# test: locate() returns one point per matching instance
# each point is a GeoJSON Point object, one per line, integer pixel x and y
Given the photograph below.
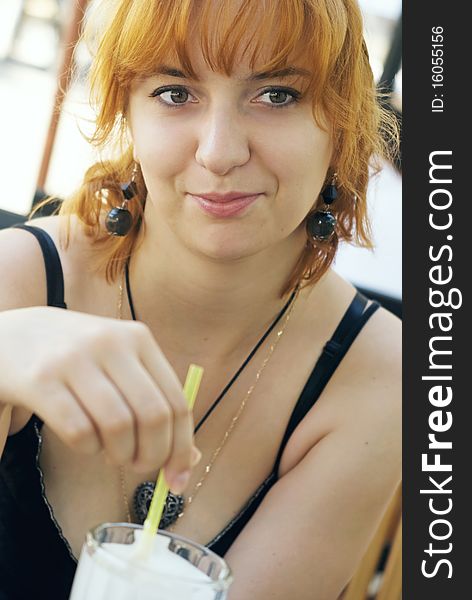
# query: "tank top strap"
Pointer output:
{"type": "Point", "coordinates": [54, 280]}
{"type": "Point", "coordinates": [52, 264]}
{"type": "Point", "coordinates": [354, 319]}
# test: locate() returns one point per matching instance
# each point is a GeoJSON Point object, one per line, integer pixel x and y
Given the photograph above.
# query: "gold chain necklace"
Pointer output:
{"type": "Point", "coordinates": [234, 420]}
{"type": "Point", "coordinates": [121, 468]}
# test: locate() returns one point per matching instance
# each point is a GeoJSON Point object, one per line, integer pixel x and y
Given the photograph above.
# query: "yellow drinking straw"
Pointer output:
{"type": "Point", "coordinates": [151, 524]}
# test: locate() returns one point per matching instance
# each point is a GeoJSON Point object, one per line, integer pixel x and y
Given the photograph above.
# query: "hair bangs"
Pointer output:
{"type": "Point", "coordinates": [264, 32]}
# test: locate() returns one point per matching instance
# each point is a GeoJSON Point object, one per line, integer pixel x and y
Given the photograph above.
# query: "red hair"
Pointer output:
{"type": "Point", "coordinates": [134, 36]}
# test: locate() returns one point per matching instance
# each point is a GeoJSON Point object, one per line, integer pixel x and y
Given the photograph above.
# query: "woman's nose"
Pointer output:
{"type": "Point", "coordinates": [222, 141]}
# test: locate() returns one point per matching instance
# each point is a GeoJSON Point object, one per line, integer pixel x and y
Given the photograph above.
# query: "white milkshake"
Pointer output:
{"type": "Point", "coordinates": [177, 569]}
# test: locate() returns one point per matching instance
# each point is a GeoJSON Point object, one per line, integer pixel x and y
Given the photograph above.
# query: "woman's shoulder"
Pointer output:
{"type": "Point", "coordinates": [360, 409]}
{"type": "Point", "coordinates": [366, 385]}
{"type": "Point", "coordinates": [68, 234]}
{"type": "Point", "coordinates": [369, 381]}
{"type": "Point", "coordinates": [333, 296]}
{"type": "Point", "coordinates": [369, 398]}
{"type": "Point", "coordinates": [339, 293]}
{"type": "Point", "coordinates": [66, 231]}
{"type": "Point", "coordinates": [21, 269]}
{"type": "Point", "coordinates": [25, 275]}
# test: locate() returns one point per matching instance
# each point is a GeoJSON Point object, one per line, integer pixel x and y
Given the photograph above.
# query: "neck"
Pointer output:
{"type": "Point", "coordinates": [205, 307]}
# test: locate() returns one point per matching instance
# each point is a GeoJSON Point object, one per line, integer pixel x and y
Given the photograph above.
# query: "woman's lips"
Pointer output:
{"type": "Point", "coordinates": [225, 208]}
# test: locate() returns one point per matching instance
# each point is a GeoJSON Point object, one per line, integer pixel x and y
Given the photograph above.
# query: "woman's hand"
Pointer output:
{"type": "Point", "coordinates": [99, 384]}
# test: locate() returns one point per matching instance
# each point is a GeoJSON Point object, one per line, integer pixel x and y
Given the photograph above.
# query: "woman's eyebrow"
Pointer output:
{"type": "Point", "coordinates": [279, 74]}
{"type": "Point", "coordinates": [272, 74]}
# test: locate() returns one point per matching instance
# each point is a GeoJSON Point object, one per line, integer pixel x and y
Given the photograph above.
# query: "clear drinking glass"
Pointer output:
{"type": "Point", "coordinates": [191, 572]}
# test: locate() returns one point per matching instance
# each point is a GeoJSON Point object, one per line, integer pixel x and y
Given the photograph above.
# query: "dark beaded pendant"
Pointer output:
{"type": "Point", "coordinates": [129, 190]}
{"type": "Point", "coordinates": [142, 501]}
{"type": "Point", "coordinates": [118, 221]}
{"type": "Point", "coordinates": [321, 225]}
{"type": "Point", "coordinates": [329, 194]}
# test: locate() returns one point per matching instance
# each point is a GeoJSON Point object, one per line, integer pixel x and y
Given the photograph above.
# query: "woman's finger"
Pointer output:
{"type": "Point", "coordinates": [58, 406]}
{"type": "Point", "coordinates": [109, 411]}
{"type": "Point", "coordinates": [180, 459]}
{"type": "Point", "coordinates": [165, 377]}
{"type": "Point", "coordinates": [153, 414]}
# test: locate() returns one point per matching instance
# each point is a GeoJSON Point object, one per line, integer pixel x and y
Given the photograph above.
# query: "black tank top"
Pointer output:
{"type": "Point", "coordinates": [45, 566]}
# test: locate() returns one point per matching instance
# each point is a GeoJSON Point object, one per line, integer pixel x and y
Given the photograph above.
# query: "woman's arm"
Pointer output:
{"type": "Point", "coordinates": [23, 285]}
{"type": "Point", "coordinates": [99, 383]}
{"type": "Point", "coordinates": [308, 536]}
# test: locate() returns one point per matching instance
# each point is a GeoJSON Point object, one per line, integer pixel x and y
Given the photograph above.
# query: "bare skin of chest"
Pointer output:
{"type": "Point", "coordinates": [84, 492]}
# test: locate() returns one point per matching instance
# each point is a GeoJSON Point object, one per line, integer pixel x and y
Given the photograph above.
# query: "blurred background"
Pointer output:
{"type": "Point", "coordinates": [34, 35]}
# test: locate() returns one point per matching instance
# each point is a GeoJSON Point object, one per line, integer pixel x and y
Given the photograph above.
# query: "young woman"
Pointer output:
{"type": "Point", "coordinates": [245, 134]}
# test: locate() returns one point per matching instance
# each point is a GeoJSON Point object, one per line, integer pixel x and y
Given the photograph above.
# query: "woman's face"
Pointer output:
{"type": "Point", "coordinates": [218, 135]}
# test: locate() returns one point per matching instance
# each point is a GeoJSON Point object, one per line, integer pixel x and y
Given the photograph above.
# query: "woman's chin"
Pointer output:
{"type": "Point", "coordinates": [226, 248]}
{"type": "Point", "coordinates": [225, 253]}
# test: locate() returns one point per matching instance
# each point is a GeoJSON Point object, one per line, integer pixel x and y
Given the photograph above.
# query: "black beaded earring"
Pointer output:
{"type": "Point", "coordinates": [119, 220]}
{"type": "Point", "coordinates": [322, 223]}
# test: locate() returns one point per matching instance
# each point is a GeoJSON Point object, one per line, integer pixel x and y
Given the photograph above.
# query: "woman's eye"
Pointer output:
{"type": "Point", "coordinates": [171, 95]}
{"type": "Point", "coordinates": [278, 97]}
{"type": "Point", "coordinates": [175, 96]}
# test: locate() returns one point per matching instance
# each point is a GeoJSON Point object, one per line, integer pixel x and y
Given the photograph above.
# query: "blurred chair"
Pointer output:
{"type": "Point", "coordinates": [7, 219]}
{"type": "Point", "coordinates": [385, 84]}
{"type": "Point", "coordinates": [391, 303]}
{"type": "Point", "coordinates": [379, 574]}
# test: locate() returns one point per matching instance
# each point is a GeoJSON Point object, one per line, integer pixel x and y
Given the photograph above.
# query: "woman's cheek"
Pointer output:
{"type": "Point", "coordinates": [301, 179]}
{"type": "Point", "coordinates": [162, 143]}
